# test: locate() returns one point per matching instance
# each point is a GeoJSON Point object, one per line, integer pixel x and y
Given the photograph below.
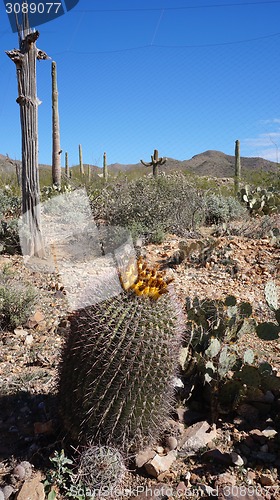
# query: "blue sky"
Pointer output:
{"type": "Point", "coordinates": [181, 76]}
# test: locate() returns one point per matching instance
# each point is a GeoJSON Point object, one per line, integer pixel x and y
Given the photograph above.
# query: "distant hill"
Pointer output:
{"type": "Point", "coordinates": [210, 163]}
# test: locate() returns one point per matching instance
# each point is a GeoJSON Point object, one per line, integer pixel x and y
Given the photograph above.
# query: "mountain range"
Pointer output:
{"type": "Point", "coordinates": [210, 163]}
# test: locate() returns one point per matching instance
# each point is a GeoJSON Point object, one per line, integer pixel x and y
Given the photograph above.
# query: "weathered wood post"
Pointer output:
{"type": "Point", "coordinates": [25, 60]}
{"type": "Point", "coordinates": [155, 162]}
{"type": "Point", "coordinates": [237, 173]}
{"type": "Point", "coordinates": [56, 151]}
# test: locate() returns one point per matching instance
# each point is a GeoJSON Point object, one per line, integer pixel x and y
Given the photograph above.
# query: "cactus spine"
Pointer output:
{"type": "Point", "coordinates": [237, 168]}
{"type": "Point", "coordinates": [118, 363]}
{"type": "Point", "coordinates": [82, 172]}
{"type": "Point", "coordinates": [105, 168]}
{"type": "Point", "coordinates": [155, 162]}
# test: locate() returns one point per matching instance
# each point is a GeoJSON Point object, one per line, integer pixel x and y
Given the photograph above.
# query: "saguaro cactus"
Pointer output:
{"type": "Point", "coordinates": [119, 362]}
{"type": "Point", "coordinates": [105, 168]}
{"type": "Point", "coordinates": [56, 151]}
{"type": "Point", "coordinates": [155, 162]}
{"type": "Point", "coordinates": [25, 60]}
{"type": "Point", "coordinates": [237, 174]}
{"type": "Point", "coordinates": [81, 160]}
{"type": "Point", "coordinates": [67, 171]}
{"type": "Point", "coordinates": [89, 173]}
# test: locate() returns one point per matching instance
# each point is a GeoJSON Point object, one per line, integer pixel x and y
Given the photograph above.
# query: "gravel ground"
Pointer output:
{"type": "Point", "coordinates": [29, 355]}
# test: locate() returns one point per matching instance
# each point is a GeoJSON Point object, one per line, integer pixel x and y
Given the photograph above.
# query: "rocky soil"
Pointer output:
{"type": "Point", "coordinates": [237, 457]}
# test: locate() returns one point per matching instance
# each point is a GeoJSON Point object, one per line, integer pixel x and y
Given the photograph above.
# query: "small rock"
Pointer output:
{"type": "Point", "coordinates": [32, 489]}
{"type": "Point", "coordinates": [19, 472]}
{"type": "Point", "coordinates": [264, 448]}
{"type": "Point", "coordinates": [20, 332]}
{"type": "Point", "coordinates": [27, 467]}
{"type": "Point", "coordinates": [251, 476]}
{"type": "Point", "coordinates": [182, 488]}
{"type": "Point", "coordinates": [29, 340]}
{"type": "Point", "coordinates": [258, 436]}
{"type": "Point", "coordinates": [236, 459]}
{"type": "Point", "coordinates": [171, 443]}
{"type": "Point", "coordinates": [197, 436]}
{"type": "Point", "coordinates": [177, 383]}
{"type": "Point", "coordinates": [225, 478]}
{"type": "Point", "coordinates": [266, 480]}
{"type": "Point", "coordinates": [217, 456]}
{"type": "Point", "coordinates": [269, 432]}
{"type": "Point", "coordinates": [159, 464]}
{"type": "Point", "coordinates": [8, 490]}
{"type": "Point", "coordinates": [143, 457]}
{"type": "Point", "coordinates": [37, 316]}
{"type": "Point", "coordinates": [160, 450]}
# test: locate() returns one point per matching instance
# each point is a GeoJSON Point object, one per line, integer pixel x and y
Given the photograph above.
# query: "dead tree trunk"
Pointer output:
{"type": "Point", "coordinates": [56, 151]}
{"type": "Point", "coordinates": [25, 61]}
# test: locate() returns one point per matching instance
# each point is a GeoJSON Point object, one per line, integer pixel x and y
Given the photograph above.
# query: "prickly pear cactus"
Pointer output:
{"type": "Point", "coordinates": [271, 295]}
{"type": "Point", "coordinates": [269, 330]}
{"type": "Point", "coordinates": [261, 201]}
{"type": "Point", "coordinates": [119, 361]}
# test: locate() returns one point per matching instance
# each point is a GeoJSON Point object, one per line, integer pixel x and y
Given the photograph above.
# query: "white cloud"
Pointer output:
{"type": "Point", "coordinates": [270, 154]}
{"type": "Point", "coordinates": [265, 145]}
{"type": "Point", "coordinates": [270, 121]}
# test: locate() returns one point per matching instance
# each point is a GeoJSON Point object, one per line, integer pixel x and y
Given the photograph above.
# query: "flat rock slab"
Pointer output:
{"type": "Point", "coordinates": [197, 436]}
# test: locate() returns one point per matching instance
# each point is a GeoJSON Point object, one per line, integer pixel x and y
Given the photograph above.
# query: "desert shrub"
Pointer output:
{"type": "Point", "coordinates": [16, 301]}
{"type": "Point", "coordinates": [267, 226]}
{"type": "Point", "coordinates": [10, 205]}
{"type": "Point", "coordinates": [9, 237]}
{"type": "Point", "coordinates": [221, 209]}
{"type": "Point", "coordinates": [167, 203]}
{"type": "Point", "coordinates": [48, 192]}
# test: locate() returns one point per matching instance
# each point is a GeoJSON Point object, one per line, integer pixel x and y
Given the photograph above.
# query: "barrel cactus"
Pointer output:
{"type": "Point", "coordinates": [119, 362]}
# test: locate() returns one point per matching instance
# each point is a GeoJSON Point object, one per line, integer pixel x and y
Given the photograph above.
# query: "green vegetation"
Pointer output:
{"type": "Point", "coordinates": [261, 201]}
{"type": "Point", "coordinates": [221, 209]}
{"type": "Point", "coordinates": [150, 206]}
{"type": "Point", "coordinates": [16, 300]}
{"type": "Point", "coordinates": [224, 377]}
{"type": "Point", "coordinates": [99, 468]}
